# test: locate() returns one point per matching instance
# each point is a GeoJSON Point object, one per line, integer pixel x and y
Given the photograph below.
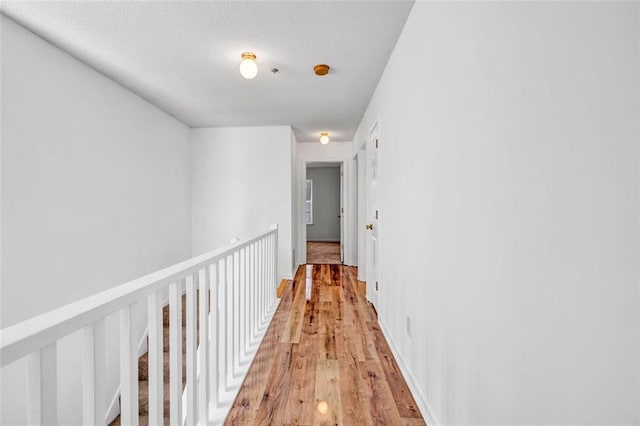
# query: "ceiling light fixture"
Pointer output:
{"type": "Point", "coordinates": [248, 66]}
{"type": "Point", "coordinates": [321, 69]}
{"type": "Point", "coordinates": [324, 138]}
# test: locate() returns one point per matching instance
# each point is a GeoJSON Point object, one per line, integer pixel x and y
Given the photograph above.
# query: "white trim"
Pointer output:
{"type": "Point", "coordinates": [361, 205]}
{"type": "Point", "coordinates": [335, 160]}
{"type": "Point", "coordinates": [425, 408]}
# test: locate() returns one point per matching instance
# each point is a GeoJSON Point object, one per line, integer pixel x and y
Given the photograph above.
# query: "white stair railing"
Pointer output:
{"type": "Point", "coordinates": [239, 284]}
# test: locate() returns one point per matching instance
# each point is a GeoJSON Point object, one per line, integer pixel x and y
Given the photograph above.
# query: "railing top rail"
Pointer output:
{"type": "Point", "coordinates": [23, 338]}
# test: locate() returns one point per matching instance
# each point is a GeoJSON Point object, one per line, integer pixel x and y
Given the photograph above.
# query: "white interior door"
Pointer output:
{"type": "Point", "coordinates": [373, 285]}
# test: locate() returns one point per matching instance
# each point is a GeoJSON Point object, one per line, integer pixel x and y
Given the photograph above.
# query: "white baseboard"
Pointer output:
{"type": "Point", "coordinates": [114, 407]}
{"type": "Point", "coordinates": [324, 240]}
{"type": "Point", "coordinates": [423, 405]}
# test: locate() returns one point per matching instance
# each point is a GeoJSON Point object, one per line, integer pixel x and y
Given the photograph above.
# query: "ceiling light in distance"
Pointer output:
{"type": "Point", "coordinates": [248, 66]}
{"type": "Point", "coordinates": [324, 138]}
{"type": "Point", "coordinates": [321, 69]}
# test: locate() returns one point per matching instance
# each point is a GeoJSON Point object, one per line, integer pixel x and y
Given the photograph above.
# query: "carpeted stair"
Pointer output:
{"type": "Point", "coordinates": [143, 370]}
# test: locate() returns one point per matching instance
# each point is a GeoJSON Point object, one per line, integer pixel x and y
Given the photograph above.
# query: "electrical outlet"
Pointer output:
{"type": "Point", "coordinates": [409, 325]}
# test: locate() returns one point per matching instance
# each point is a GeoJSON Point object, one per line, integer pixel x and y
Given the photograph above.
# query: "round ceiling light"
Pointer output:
{"type": "Point", "coordinates": [248, 66]}
{"type": "Point", "coordinates": [321, 69]}
{"type": "Point", "coordinates": [324, 138]}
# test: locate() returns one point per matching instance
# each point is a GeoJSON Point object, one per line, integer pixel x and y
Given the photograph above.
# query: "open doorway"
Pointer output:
{"type": "Point", "coordinates": [323, 212]}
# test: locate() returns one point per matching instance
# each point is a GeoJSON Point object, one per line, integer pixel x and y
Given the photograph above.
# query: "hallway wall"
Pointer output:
{"type": "Point", "coordinates": [95, 192]}
{"type": "Point", "coordinates": [509, 205]}
{"type": "Point", "coordinates": [326, 204]}
{"type": "Point", "coordinates": [240, 184]}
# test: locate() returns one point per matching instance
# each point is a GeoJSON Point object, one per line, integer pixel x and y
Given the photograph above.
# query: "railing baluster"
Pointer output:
{"type": "Point", "coordinates": [263, 264]}
{"type": "Point", "coordinates": [274, 262]}
{"type": "Point", "coordinates": [268, 285]}
{"type": "Point", "coordinates": [175, 354]}
{"type": "Point", "coordinates": [252, 292]}
{"type": "Point", "coordinates": [42, 386]}
{"type": "Point", "coordinates": [213, 326]}
{"type": "Point", "coordinates": [270, 288]}
{"type": "Point", "coordinates": [259, 282]}
{"type": "Point", "coordinates": [235, 321]}
{"type": "Point", "coordinates": [247, 301]}
{"type": "Point", "coordinates": [93, 374]}
{"type": "Point", "coordinates": [222, 322]}
{"type": "Point", "coordinates": [228, 321]}
{"type": "Point", "coordinates": [231, 315]}
{"type": "Point", "coordinates": [191, 360]}
{"type": "Point", "coordinates": [257, 286]}
{"type": "Point", "coordinates": [128, 371]}
{"type": "Point", "coordinates": [203, 350]}
{"type": "Point", "coordinates": [242, 300]}
{"type": "Point", "coordinates": [263, 281]}
{"type": "Point", "coordinates": [266, 275]}
{"type": "Point", "coordinates": [154, 318]}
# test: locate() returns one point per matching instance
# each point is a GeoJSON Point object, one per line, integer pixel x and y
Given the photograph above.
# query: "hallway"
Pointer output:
{"type": "Point", "coordinates": [325, 361]}
{"type": "Point", "coordinates": [483, 162]}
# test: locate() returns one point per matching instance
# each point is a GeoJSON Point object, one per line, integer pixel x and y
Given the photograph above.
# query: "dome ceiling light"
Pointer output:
{"type": "Point", "coordinates": [324, 138]}
{"type": "Point", "coordinates": [248, 66]}
{"type": "Point", "coordinates": [321, 69]}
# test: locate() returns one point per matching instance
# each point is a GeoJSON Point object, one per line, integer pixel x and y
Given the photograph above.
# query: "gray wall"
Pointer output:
{"type": "Point", "coordinates": [326, 204]}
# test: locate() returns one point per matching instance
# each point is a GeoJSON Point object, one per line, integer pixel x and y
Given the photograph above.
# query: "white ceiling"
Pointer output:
{"type": "Point", "coordinates": [184, 56]}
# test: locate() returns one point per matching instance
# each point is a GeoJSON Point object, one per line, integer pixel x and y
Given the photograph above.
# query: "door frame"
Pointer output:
{"type": "Point", "coordinates": [342, 163]}
{"type": "Point", "coordinates": [361, 210]}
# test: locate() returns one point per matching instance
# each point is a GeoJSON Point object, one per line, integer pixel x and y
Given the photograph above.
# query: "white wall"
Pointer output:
{"type": "Point", "coordinates": [308, 152]}
{"type": "Point", "coordinates": [509, 210]}
{"type": "Point", "coordinates": [95, 192]}
{"type": "Point", "coordinates": [240, 184]}
{"type": "Point", "coordinates": [326, 204]}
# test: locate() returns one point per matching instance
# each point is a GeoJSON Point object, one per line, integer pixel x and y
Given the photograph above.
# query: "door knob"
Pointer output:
{"type": "Point", "coordinates": [369, 226]}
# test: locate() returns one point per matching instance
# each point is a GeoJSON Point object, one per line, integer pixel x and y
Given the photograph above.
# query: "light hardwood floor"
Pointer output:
{"type": "Point", "coordinates": [323, 252]}
{"type": "Point", "coordinates": [324, 362]}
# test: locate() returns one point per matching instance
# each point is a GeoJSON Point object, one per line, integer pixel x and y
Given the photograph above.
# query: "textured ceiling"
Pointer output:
{"type": "Point", "coordinates": [184, 56]}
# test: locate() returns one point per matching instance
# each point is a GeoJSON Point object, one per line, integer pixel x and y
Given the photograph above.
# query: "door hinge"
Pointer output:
{"type": "Point", "coordinates": [341, 210]}
{"type": "Point", "coordinates": [376, 214]}
{"type": "Point", "coordinates": [376, 285]}
{"type": "Point", "coordinates": [376, 143]}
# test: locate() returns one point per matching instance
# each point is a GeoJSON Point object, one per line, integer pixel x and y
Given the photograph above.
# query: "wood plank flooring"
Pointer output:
{"type": "Point", "coordinates": [324, 361]}
{"type": "Point", "coordinates": [323, 252]}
